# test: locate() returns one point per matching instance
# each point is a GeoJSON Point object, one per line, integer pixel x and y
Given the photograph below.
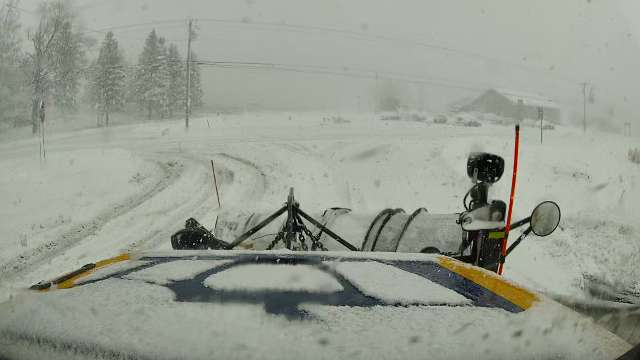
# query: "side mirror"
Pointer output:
{"type": "Point", "coordinates": [545, 218]}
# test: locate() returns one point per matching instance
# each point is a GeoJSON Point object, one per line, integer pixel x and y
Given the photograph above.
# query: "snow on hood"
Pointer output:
{"type": "Point", "coordinates": [242, 305]}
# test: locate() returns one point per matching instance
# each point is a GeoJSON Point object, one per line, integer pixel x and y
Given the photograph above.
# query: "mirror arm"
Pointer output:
{"type": "Point", "coordinates": [514, 225]}
{"type": "Point", "coordinates": [518, 224]}
{"type": "Point", "coordinates": [524, 234]}
{"type": "Point", "coordinates": [518, 241]}
{"type": "Point", "coordinates": [501, 259]}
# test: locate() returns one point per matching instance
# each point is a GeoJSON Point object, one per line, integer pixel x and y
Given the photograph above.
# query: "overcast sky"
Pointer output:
{"type": "Point", "coordinates": [458, 47]}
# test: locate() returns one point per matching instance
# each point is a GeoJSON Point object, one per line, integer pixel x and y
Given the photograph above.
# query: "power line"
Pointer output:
{"type": "Point", "coordinates": [333, 69]}
{"type": "Point", "coordinates": [342, 32]}
{"type": "Point", "coordinates": [321, 70]}
{"type": "Point", "coordinates": [318, 70]}
{"type": "Point", "coordinates": [132, 26]}
{"type": "Point", "coordinates": [344, 71]}
{"type": "Point", "coordinates": [295, 28]}
{"type": "Point", "coordinates": [392, 39]}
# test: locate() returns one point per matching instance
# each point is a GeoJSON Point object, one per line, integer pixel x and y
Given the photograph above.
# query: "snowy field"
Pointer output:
{"type": "Point", "coordinates": [129, 187]}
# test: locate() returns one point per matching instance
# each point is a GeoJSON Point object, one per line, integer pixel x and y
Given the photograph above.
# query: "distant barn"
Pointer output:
{"type": "Point", "coordinates": [504, 102]}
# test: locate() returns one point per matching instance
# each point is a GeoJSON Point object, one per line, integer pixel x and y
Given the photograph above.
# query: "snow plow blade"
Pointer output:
{"type": "Point", "coordinates": [391, 230]}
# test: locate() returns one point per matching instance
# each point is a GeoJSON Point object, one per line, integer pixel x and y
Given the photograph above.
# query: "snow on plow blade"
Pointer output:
{"type": "Point", "coordinates": [248, 304]}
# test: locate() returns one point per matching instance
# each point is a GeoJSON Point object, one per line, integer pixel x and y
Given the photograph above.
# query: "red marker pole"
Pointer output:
{"type": "Point", "coordinates": [511, 199]}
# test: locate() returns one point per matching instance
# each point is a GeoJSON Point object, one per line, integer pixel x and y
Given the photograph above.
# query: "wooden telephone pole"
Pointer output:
{"type": "Point", "coordinates": [188, 92]}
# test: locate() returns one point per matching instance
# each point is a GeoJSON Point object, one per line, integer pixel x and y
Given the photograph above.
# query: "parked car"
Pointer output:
{"type": "Point", "coordinates": [389, 116]}
{"type": "Point", "coordinates": [473, 123]}
{"type": "Point", "coordinates": [440, 119]}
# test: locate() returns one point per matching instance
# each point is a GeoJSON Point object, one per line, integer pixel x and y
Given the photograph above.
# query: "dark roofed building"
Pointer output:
{"type": "Point", "coordinates": [504, 102]}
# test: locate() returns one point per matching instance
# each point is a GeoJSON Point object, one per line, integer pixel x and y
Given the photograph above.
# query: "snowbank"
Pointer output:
{"type": "Point", "coordinates": [44, 198]}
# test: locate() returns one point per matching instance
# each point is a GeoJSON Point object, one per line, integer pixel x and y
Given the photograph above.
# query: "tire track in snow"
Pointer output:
{"type": "Point", "coordinates": [199, 205]}
{"type": "Point", "coordinates": [196, 206]}
{"type": "Point", "coordinates": [250, 164]}
{"type": "Point", "coordinates": [193, 207]}
{"type": "Point", "coordinates": [78, 232]}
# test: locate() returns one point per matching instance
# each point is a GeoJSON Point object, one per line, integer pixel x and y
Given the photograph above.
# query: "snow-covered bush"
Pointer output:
{"type": "Point", "coordinates": [634, 155]}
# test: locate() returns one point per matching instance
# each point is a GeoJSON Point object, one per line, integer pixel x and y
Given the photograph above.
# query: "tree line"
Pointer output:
{"type": "Point", "coordinates": [55, 70]}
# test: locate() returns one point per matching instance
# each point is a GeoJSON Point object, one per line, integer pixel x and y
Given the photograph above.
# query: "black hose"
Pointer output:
{"type": "Point", "coordinates": [384, 223]}
{"type": "Point", "coordinates": [464, 199]}
{"type": "Point", "coordinates": [382, 213]}
{"type": "Point", "coordinates": [406, 225]}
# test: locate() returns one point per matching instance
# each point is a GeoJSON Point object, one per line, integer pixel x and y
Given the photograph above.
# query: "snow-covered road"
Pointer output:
{"type": "Point", "coordinates": [103, 191]}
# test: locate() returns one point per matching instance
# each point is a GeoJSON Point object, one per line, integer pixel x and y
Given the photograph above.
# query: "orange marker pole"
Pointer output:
{"type": "Point", "coordinates": [511, 199]}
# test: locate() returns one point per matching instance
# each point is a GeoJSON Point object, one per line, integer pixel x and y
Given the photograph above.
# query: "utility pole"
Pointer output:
{"type": "Point", "coordinates": [584, 108]}
{"type": "Point", "coordinates": [188, 92]}
{"type": "Point", "coordinates": [520, 111]}
{"type": "Point", "coordinates": [375, 111]}
{"type": "Point", "coordinates": [541, 117]}
{"type": "Point", "coordinates": [41, 113]}
{"type": "Point", "coordinates": [627, 128]}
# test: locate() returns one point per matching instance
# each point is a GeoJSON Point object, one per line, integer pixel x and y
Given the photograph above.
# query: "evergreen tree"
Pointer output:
{"type": "Point", "coordinates": [14, 96]}
{"type": "Point", "coordinates": [9, 33]}
{"type": "Point", "coordinates": [151, 76]}
{"type": "Point", "coordinates": [163, 80]}
{"type": "Point", "coordinates": [159, 83]}
{"type": "Point", "coordinates": [196, 83]}
{"type": "Point", "coordinates": [107, 80]}
{"type": "Point", "coordinates": [176, 80]}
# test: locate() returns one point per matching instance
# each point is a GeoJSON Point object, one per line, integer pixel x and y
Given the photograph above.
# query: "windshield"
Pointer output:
{"type": "Point", "coordinates": [427, 131]}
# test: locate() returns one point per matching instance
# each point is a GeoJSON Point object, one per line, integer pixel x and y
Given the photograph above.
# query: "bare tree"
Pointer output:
{"type": "Point", "coordinates": [51, 16]}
